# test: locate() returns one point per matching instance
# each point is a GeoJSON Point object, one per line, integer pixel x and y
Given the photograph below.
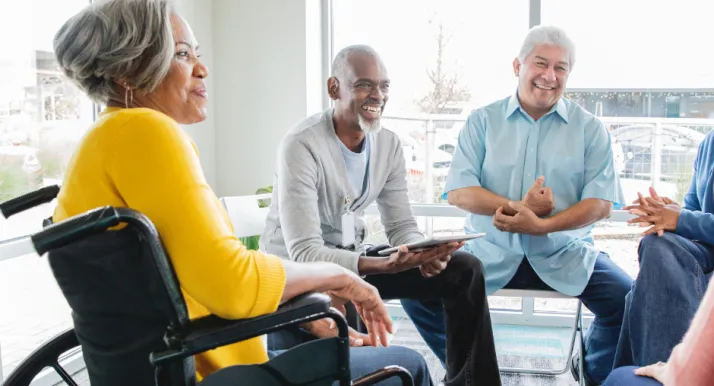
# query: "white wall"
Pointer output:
{"type": "Point", "coordinates": [260, 77]}
{"type": "Point", "coordinates": [198, 14]}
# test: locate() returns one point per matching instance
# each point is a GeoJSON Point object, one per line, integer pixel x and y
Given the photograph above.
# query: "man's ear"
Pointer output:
{"type": "Point", "coordinates": [516, 67]}
{"type": "Point", "coordinates": [333, 88]}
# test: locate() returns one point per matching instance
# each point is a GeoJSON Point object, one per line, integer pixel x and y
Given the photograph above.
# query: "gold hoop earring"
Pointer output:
{"type": "Point", "coordinates": [128, 96]}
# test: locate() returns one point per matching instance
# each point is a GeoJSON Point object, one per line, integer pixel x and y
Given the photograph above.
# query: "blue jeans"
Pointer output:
{"type": "Point", "coordinates": [624, 376]}
{"type": "Point", "coordinates": [604, 295]}
{"type": "Point", "coordinates": [664, 298]}
{"type": "Point", "coordinates": [365, 360]}
{"type": "Point", "coordinates": [428, 318]}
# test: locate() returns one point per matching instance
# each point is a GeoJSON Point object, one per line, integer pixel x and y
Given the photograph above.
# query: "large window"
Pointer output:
{"type": "Point", "coordinates": [42, 117]}
{"type": "Point", "coordinates": [642, 67]}
{"type": "Point", "coordinates": [444, 59]}
{"type": "Point", "coordinates": [41, 114]}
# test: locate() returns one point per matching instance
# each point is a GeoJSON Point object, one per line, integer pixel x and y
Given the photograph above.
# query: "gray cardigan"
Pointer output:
{"type": "Point", "coordinates": [305, 218]}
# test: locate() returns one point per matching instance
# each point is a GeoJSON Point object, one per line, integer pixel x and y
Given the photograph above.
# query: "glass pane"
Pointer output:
{"type": "Point", "coordinates": [640, 66]}
{"type": "Point", "coordinates": [443, 61]}
{"type": "Point", "coordinates": [555, 305]}
{"type": "Point", "coordinates": [42, 115]}
{"type": "Point", "coordinates": [504, 303]}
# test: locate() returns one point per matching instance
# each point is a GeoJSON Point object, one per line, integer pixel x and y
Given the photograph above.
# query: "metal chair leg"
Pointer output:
{"type": "Point", "coordinates": [554, 372]}
{"type": "Point", "coordinates": [581, 357]}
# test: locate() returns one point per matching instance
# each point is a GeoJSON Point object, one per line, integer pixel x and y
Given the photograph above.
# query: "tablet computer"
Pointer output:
{"type": "Point", "coordinates": [433, 242]}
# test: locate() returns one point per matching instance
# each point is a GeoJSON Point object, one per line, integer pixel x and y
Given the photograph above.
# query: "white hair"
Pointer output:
{"type": "Point", "coordinates": [340, 65]}
{"type": "Point", "coordinates": [117, 40]}
{"type": "Point", "coordinates": [544, 34]}
{"type": "Point", "coordinates": [367, 127]}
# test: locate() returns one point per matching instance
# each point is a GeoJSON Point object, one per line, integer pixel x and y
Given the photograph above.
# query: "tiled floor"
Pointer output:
{"type": "Point", "coordinates": [33, 309]}
{"type": "Point", "coordinates": [529, 347]}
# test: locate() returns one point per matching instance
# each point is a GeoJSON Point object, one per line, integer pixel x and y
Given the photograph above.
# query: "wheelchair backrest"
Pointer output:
{"type": "Point", "coordinates": [121, 306]}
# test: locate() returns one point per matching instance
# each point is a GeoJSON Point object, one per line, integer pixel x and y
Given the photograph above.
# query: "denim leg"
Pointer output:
{"type": "Point", "coordinates": [428, 318]}
{"type": "Point", "coordinates": [623, 353]}
{"type": "Point", "coordinates": [624, 376]}
{"type": "Point", "coordinates": [605, 297]}
{"type": "Point", "coordinates": [365, 360]}
{"type": "Point", "coordinates": [287, 338]}
{"type": "Point", "coordinates": [527, 278]}
{"type": "Point", "coordinates": [664, 298]}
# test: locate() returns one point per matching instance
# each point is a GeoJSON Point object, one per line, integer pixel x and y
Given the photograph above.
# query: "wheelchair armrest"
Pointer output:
{"type": "Point", "coordinates": [211, 331]}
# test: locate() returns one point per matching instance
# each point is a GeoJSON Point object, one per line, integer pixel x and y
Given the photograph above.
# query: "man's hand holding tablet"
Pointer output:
{"type": "Point", "coordinates": [432, 242]}
{"type": "Point", "coordinates": [431, 255]}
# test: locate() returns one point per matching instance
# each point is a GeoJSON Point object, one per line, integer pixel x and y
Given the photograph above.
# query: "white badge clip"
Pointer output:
{"type": "Point", "coordinates": [348, 225]}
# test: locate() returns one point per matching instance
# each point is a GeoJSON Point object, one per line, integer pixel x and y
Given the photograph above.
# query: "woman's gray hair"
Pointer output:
{"type": "Point", "coordinates": [113, 41]}
{"type": "Point", "coordinates": [545, 34]}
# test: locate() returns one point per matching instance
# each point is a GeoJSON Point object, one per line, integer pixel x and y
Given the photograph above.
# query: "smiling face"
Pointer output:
{"type": "Point", "coordinates": [542, 78]}
{"type": "Point", "coordinates": [361, 93]}
{"type": "Point", "coordinates": [182, 93]}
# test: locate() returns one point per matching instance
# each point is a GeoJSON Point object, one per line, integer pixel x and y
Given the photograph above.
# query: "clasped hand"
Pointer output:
{"type": "Point", "coordinates": [525, 216]}
{"type": "Point", "coordinates": [660, 214]}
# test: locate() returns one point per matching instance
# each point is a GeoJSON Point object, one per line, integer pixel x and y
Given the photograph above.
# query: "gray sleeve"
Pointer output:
{"type": "Point", "coordinates": [394, 208]}
{"type": "Point", "coordinates": [299, 212]}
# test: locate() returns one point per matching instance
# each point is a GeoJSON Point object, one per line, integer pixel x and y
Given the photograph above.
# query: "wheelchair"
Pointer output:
{"type": "Point", "coordinates": [131, 321]}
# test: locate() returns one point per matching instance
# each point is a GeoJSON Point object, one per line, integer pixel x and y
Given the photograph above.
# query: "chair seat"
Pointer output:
{"type": "Point", "coordinates": [527, 293]}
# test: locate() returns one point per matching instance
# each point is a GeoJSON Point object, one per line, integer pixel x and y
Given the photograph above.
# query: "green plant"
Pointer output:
{"type": "Point", "coordinates": [253, 242]}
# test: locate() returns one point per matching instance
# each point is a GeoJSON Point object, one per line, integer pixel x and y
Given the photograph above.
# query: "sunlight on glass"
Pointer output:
{"type": "Point", "coordinates": [42, 115]}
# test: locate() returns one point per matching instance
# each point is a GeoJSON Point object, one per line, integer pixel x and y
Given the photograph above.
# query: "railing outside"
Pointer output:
{"type": "Point", "coordinates": [647, 151]}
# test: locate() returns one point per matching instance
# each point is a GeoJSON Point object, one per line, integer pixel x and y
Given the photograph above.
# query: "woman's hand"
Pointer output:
{"type": "Point", "coordinates": [655, 371]}
{"type": "Point", "coordinates": [369, 305]}
{"type": "Point", "coordinates": [660, 217]}
{"type": "Point", "coordinates": [326, 328]}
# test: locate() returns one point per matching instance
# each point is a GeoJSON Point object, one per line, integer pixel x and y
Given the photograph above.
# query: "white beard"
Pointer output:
{"type": "Point", "coordinates": [367, 127]}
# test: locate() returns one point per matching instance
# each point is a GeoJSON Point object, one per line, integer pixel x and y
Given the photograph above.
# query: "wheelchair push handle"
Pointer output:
{"type": "Point", "coordinates": [75, 228]}
{"type": "Point", "coordinates": [29, 200]}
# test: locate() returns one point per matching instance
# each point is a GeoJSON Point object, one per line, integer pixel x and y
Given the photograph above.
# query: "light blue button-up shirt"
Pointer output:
{"type": "Point", "coordinates": [502, 149]}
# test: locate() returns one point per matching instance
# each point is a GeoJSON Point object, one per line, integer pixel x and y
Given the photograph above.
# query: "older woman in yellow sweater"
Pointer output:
{"type": "Point", "coordinates": [141, 59]}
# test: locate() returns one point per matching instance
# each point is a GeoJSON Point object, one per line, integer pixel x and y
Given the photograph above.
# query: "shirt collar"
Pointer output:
{"type": "Point", "coordinates": [560, 108]}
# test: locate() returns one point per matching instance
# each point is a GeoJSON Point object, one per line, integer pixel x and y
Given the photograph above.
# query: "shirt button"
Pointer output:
{"type": "Point", "coordinates": [529, 174]}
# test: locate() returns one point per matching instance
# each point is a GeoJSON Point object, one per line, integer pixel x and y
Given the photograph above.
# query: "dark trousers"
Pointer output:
{"type": "Point", "coordinates": [461, 290]}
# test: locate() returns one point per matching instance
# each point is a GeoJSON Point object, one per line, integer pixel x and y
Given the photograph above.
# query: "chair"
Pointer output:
{"type": "Point", "coordinates": [27, 201]}
{"type": "Point", "coordinates": [14, 206]}
{"type": "Point", "coordinates": [432, 210]}
{"type": "Point", "coordinates": [132, 323]}
{"type": "Point", "coordinates": [247, 217]}
{"type": "Point", "coordinates": [20, 204]}
{"type": "Point", "coordinates": [578, 331]}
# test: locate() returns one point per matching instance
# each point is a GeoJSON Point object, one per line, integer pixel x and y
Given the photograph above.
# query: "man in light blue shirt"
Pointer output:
{"type": "Point", "coordinates": [536, 171]}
